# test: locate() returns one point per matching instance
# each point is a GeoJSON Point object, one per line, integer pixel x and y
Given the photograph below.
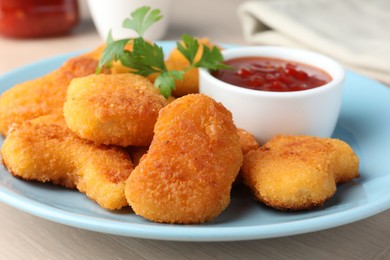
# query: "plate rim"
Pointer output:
{"type": "Point", "coordinates": [180, 232]}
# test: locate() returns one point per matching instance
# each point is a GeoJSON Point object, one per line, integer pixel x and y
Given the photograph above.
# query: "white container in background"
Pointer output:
{"type": "Point", "coordinates": [110, 14]}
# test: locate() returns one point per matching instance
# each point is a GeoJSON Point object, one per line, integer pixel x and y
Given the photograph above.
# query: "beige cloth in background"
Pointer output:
{"type": "Point", "coordinates": [354, 32]}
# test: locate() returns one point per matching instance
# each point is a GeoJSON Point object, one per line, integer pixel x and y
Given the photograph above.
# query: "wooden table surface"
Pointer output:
{"type": "Point", "coordinates": [23, 236]}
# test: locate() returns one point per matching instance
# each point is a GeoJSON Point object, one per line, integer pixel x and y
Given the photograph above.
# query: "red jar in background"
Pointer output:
{"type": "Point", "coordinates": [37, 18]}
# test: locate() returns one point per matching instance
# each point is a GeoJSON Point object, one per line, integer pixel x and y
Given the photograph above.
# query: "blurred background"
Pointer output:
{"type": "Point", "coordinates": [354, 32]}
{"type": "Point", "coordinates": [215, 19]}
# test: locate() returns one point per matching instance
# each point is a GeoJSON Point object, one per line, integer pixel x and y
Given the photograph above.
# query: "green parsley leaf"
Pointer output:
{"type": "Point", "coordinates": [165, 81]}
{"type": "Point", "coordinates": [211, 59]}
{"type": "Point", "coordinates": [110, 39]}
{"type": "Point", "coordinates": [113, 51]}
{"type": "Point", "coordinates": [177, 74]}
{"type": "Point", "coordinates": [148, 58]}
{"type": "Point", "coordinates": [141, 19]}
{"type": "Point", "coordinates": [145, 59]}
{"type": "Point", "coordinates": [189, 47]}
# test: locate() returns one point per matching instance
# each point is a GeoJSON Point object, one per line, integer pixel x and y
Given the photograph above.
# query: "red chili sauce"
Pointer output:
{"type": "Point", "coordinates": [269, 74]}
{"type": "Point", "coordinates": [37, 18]}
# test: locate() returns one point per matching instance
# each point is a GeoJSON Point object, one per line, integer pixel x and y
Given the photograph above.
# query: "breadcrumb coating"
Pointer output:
{"type": "Point", "coordinates": [187, 174]}
{"type": "Point", "coordinates": [117, 109]}
{"type": "Point", "coordinates": [298, 172]}
{"type": "Point", "coordinates": [247, 140]}
{"type": "Point", "coordinates": [44, 95]}
{"type": "Point", "coordinates": [45, 150]}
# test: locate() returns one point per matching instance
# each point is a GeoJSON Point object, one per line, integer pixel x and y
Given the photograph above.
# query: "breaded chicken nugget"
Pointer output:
{"type": "Point", "coordinates": [289, 179]}
{"type": "Point", "coordinates": [44, 149]}
{"type": "Point", "coordinates": [119, 109]}
{"type": "Point", "coordinates": [247, 140]}
{"type": "Point", "coordinates": [295, 172]}
{"type": "Point", "coordinates": [248, 143]}
{"type": "Point", "coordinates": [345, 165]}
{"type": "Point", "coordinates": [43, 95]}
{"type": "Point", "coordinates": [187, 174]}
{"type": "Point", "coordinates": [190, 82]}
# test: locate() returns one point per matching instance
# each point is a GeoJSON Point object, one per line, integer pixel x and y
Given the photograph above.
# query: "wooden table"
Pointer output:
{"type": "Point", "coordinates": [24, 236]}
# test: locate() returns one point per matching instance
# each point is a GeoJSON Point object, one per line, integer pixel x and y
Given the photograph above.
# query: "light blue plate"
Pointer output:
{"type": "Point", "coordinates": [364, 124]}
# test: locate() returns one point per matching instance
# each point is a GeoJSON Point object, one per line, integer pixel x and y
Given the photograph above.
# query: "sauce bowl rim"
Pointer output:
{"type": "Point", "coordinates": [337, 72]}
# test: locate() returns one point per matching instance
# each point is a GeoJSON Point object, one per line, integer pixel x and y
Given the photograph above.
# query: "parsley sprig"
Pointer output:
{"type": "Point", "coordinates": [148, 58]}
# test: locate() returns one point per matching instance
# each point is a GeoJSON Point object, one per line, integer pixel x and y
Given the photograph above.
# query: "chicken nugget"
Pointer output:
{"type": "Point", "coordinates": [298, 172]}
{"type": "Point", "coordinates": [290, 175]}
{"type": "Point", "coordinates": [45, 150]}
{"type": "Point", "coordinates": [118, 109]}
{"type": "Point", "coordinates": [43, 95]}
{"type": "Point", "coordinates": [187, 174]}
{"type": "Point", "coordinates": [247, 140]}
{"type": "Point", "coordinates": [345, 163]}
{"type": "Point", "coordinates": [248, 143]}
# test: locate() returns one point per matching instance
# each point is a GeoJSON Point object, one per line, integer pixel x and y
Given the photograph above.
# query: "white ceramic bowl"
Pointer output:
{"type": "Point", "coordinates": [109, 15]}
{"type": "Point", "coordinates": [266, 114]}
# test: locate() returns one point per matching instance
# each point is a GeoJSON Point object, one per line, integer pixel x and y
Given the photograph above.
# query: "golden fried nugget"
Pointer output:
{"type": "Point", "coordinates": [43, 95]}
{"type": "Point", "coordinates": [187, 174]}
{"type": "Point", "coordinates": [44, 149]}
{"type": "Point", "coordinates": [289, 180]}
{"type": "Point", "coordinates": [297, 172]}
{"type": "Point", "coordinates": [345, 165]}
{"type": "Point", "coordinates": [190, 82]}
{"type": "Point", "coordinates": [118, 109]}
{"type": "Point", "coordinates": [248, 143]}
{"type": "Point", "coordinates": [247, 140]}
